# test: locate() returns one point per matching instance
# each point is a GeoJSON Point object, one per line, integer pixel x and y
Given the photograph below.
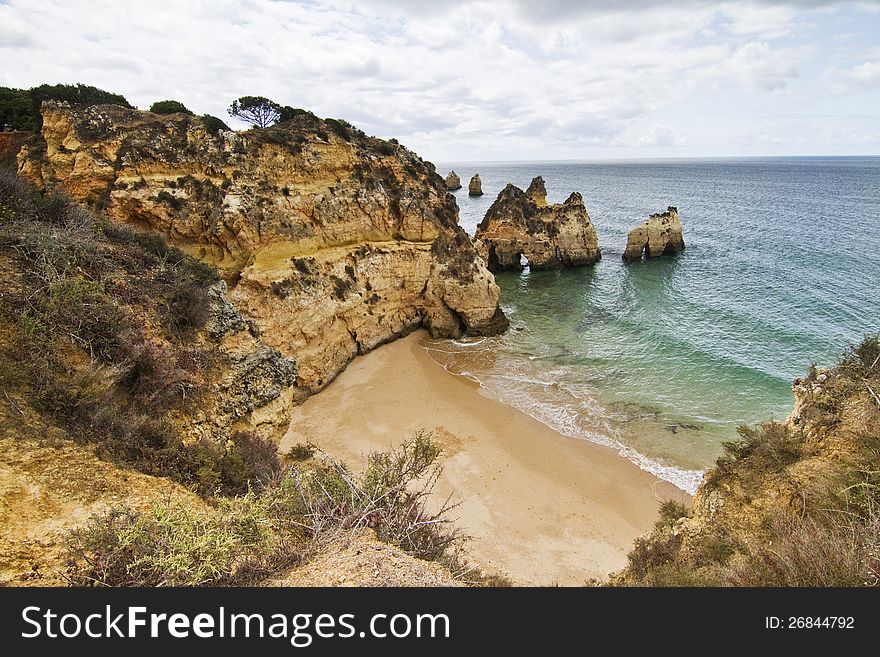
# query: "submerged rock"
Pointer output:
{"type": "Point", "coordinates": [521, 225]}
{"type": "Point", "coordinates": [660, 235]}
{"type": "Point", "coordinates": [453, 182]}
{"type": "Point", "coordinates": [475, 187]}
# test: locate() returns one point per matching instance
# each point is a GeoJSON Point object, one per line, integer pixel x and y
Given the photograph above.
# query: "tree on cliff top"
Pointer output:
{"type": "Point", "coordinates": [262, 112]}
{"type": "Point", "coordinates": [169, 107]}
{"type": "Point", "coordinates": [256, 110]}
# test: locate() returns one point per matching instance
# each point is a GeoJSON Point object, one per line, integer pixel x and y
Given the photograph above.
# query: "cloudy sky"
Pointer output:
{"type": "Point", "coordinates": [480, 80]}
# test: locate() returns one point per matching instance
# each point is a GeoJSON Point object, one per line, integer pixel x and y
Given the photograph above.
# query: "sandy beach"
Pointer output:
{"type": "Point", "coordinates": [541, 508]}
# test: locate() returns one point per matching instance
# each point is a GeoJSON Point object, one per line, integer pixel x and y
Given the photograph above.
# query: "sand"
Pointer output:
{"type": "Point", "coordinates": [540, 507]}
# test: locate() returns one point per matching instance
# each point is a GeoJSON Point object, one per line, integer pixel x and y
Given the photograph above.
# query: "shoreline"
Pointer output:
{"type": "Point", "coordinates": [541, 508]}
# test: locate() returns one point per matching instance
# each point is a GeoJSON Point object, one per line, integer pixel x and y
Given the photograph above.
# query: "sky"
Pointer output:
{"type": "Point", "coordinates": [472, 80]}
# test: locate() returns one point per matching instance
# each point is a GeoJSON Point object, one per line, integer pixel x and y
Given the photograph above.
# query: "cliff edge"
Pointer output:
{"type": "Point", "coordinates": [331, 242]}
{"type": "Point", "coordinates": [793, 503]}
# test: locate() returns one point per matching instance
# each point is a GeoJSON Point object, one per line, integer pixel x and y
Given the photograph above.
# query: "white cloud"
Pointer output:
{"type": "Point", "coordinates": [866, 72]}
{"type": "Point", "coordinates": [463, 79]}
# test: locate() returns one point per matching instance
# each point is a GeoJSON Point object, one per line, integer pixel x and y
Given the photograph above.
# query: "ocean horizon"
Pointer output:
{"type": "Point", "coordinates": [663, 359]}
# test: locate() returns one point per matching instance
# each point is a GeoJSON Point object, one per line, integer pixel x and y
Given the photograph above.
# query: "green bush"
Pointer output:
{"type": "Point", "coordinates": [169, 546]}
{"type": "Point", "coordinates": [670, 511]}
{"type": "Point", "coordinates": [171, 200]}
{"type": "Point", "coordinates": [301, 452]}
{"type": "Point", "coordinates": [213, 124]}
{"type": "Point", "coordinates": [20, 108]}
{"type": "Point", "coordinates": [768, 447]}
{"type": "Point", "coordinates": [169, 107]}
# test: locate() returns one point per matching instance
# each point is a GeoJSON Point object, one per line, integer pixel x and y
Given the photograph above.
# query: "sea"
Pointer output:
{"type": "Point", "coordinates": [663, 359]}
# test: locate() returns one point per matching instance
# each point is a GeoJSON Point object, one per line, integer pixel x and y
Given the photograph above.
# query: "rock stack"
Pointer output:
{"type": "Point", "coordinates": [475, 187]}
{"type": "Point", "coordinates": [659, 235]}
{"type": "Point", "coordinates": [453, 182]}
{"type": "Point", "coordinates": [521, 225]}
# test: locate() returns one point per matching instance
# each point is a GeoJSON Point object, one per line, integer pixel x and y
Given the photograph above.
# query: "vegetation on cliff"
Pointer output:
{"type": "Point", "coordinates": [250, 537]}
{"type": "Point", "coordinates": [20, 108]}
{"type": "Point", "coordinates": [794, 503]}
{"type": "Point", "coordinates": [101, 334]}
{"type": "Point", "coordinates": [169, 107]}
{"type": "Point", "coordinates": [332, 242]}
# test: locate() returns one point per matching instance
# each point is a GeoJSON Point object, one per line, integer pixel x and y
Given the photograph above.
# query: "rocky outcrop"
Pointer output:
{"type": "Point", "coordinates": [537, 192]}
{"type": "Point", "coordinates": [659, 235]}
{"type": "Point", "coordinates": [453, 182]}
{"type": "Point", "coordinates": [332, 242]}
{"type": "Point", "coordinates": [475, 186]}
{"type": "Point", "coordinates": [548, 236]}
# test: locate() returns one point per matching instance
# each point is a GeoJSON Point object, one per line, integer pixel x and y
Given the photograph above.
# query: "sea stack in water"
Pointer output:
{"type": "Point", "coordinates": [475, 187]}
{"type": "Point", "coordinates": [453, 182]}
{"type": "Point", "coordinates": [659, 235]}
{"type": "Point", "coordinates": [549, 236]}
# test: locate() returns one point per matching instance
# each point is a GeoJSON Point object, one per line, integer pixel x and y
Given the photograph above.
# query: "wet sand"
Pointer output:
{"type": "Point", "coordinates": [541, 508]}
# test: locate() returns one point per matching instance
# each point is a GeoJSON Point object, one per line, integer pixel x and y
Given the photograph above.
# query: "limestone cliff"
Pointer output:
{"type": "Point", "coordinates": [475, 186]}
{"type": "Point", "coordinates": [549, 236]}
{"type": "Point", "coordinates": [453, 182]}
{"type": "Point", "coordinates": [661, 234]}
{"type": "Point", "coordinates": [332, 242]}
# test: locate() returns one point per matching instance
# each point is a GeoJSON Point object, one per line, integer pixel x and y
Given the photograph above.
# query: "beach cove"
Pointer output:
{"type": "Point", "coordinates": [540, 508]}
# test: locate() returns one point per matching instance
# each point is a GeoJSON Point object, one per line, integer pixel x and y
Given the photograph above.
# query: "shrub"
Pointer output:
{"type": "Point", "coordinates": [252, 536]}
{"type": "Point", "coordinates": [831, 549]}
{"type": "Point", "coordinates": [863, 359]}
{"type": "Point", "coordinates": [249, 461]}
{"type": "Point", "coordinates": [649, 553]}
{"type": "Point", "coordinates": [769, 447]}
{"type": "Point", "coordinates": [301, 452]}
{"type": "Point", "coordinates": [339, 128]}
{"type": "Point", "coordinates": [169, 107]}
{"type": "Point", "coordinates": [670, 511]}
{"type": "Point", "coordinates": [171, 200]}
{"type": "Point", "coordinates": [383, 498]}
{"type": "Point", "coordinates": [20, 108]}
{"type": "Point", "coordinates": [168, 546]}
{"type": "Point", "coordinates": [678, 575]}
{"type": "Point", "coordinates": [189, 306]}
{"type": "Point", "coordinates": [213, 124]}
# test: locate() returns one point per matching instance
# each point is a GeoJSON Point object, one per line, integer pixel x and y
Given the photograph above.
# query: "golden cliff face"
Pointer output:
{"type": "Point", "coordinates": [332, 242]}
{"type": "Point", "coordinates": [550, 236]}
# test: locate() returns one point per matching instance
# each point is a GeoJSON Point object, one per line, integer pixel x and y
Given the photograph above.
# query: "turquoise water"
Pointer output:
{"type": "Point", "coordinates": [663, 359]}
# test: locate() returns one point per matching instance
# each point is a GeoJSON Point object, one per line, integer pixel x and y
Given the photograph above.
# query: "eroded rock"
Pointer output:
{"type": "Point", "coordinates": [453, 182]}
{"type": "Point", "coordinates": [521, 224]}
{"type": "Point", "coordinates": [475, 186]}
{"type": "Point", "coordinates": [660, 235]}
{"type": "Point", "coordinates": [332, 242]}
